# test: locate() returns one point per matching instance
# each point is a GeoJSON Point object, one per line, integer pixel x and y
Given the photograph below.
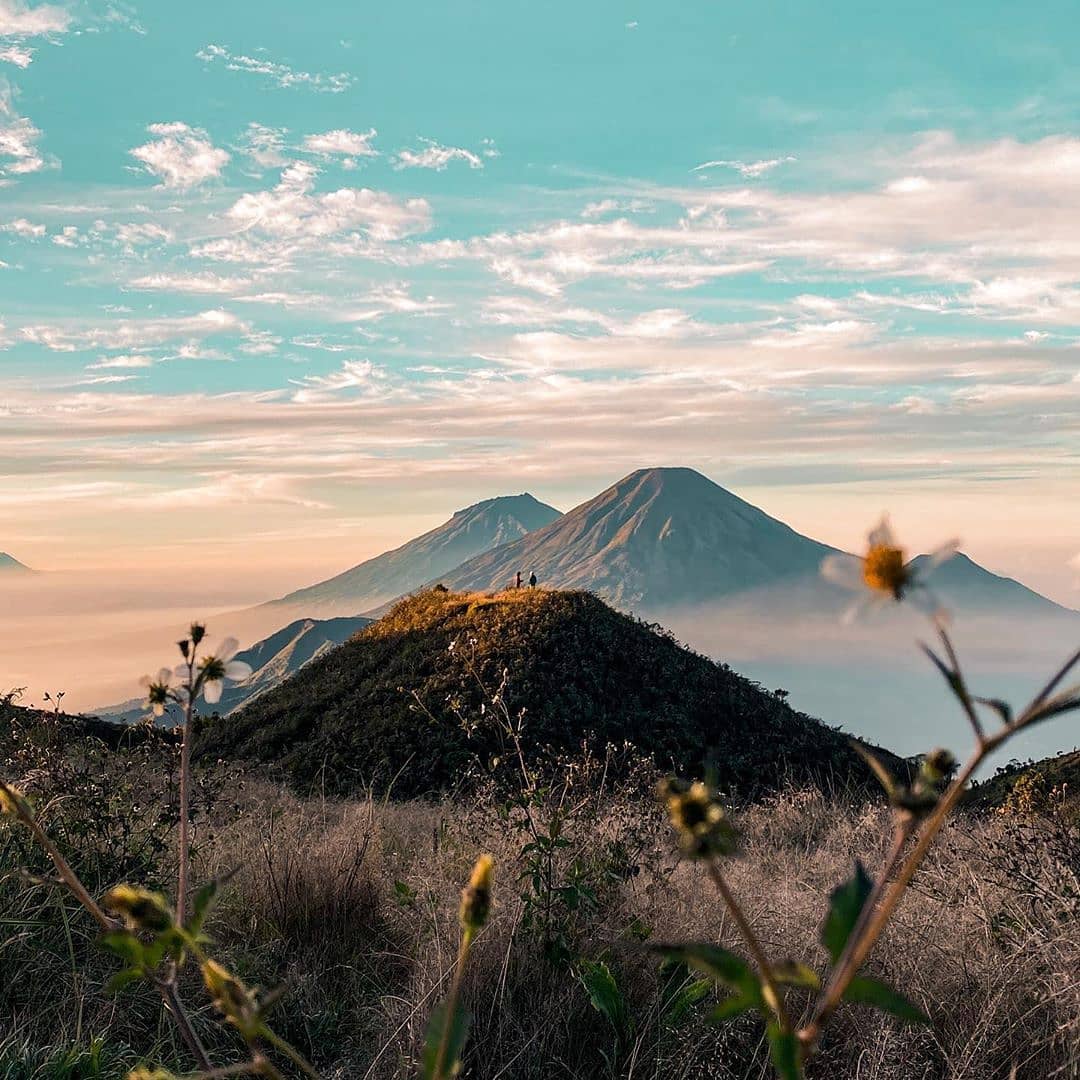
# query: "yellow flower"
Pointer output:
{"type": "Point", "coordinates": [233, 999]}
{"type": "Point", "coordinates": [699, 820]}
{"type": "Point", "coordinates": [885, 574]}
{"type": "Point", "coordinates": [476, 897]}
{"type": "Point", "coordinates": [140, 908]}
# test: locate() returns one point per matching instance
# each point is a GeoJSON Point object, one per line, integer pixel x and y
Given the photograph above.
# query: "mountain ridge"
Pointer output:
{"type": "Point", "coordinates": [468, 532]}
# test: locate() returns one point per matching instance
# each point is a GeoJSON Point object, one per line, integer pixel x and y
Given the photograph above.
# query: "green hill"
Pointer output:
{"type": "Point", "coordinates": [386, 706]}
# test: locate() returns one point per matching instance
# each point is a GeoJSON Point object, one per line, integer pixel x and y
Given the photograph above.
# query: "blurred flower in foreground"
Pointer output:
{"type": "Point", "coordinates": [157, 690]}
{"type": "Point", "coordinates": [216, 668]}
{"type": "Point", "coordinates": [885, 574]}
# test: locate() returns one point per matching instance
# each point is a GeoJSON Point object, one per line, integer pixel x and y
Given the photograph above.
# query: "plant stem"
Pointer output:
{"type": "Point", "coordinates": [185, 810]}
{"type": "Point", "coordinates": [439, 1072]}
{"type": "Point", "coordinates": [67, 875]}
{"type": "Point", "coordinates": [762, 961]}
{"type": "Point", "coordinates": [905, 826]}
{"type": "Point", "coordinates": [291, 1053]}
{"type": "Point", "coordinates": [879, 917]}
{"type": "Point", "coordinates": [171, 996]}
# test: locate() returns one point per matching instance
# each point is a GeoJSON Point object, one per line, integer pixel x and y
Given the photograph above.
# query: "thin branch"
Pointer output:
{"type": "Point", "coordinates": [752, 943]}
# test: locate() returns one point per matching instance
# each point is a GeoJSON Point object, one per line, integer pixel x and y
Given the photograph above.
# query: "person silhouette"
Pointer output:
{"type": "Point", "coordinates": [532, 581]}
{"type": "Point", "coordinates": [517, 581]}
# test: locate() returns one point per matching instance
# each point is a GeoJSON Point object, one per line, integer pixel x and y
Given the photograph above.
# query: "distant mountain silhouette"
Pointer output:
{"type": "Point", "coordinates": [272, 660]}
{"type": "Point", "coordinates": [657, 538]}
{"type": "Point", "coordinates": [385, 708]}
{"type": "Point", "coordinates": [668, 538]}
{"type": "Point", "coordinates": [469, 532]}
{"type": "Point", "coordinates": [10, 565]}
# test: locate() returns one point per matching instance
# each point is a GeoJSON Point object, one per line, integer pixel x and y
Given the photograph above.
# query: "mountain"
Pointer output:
{"type": "Point", "coordinates": [659, 537]}
{"type": "Point", "coordinates": [10, 565]}
{"type": "Point", "coordinates": [668, 538]}
{"type": "Point", "coordinates": [272, 660]}
{"type": "Point", "coordinates": [489, 524]}
{"type": "Point", "coordinates": [386, 709]}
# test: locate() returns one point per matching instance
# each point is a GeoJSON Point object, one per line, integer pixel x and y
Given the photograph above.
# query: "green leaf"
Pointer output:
{"type": "Point", "coordinates": [201, 904]}
{"type": "Point", "coordinates": [869, 991]}
{"type": "Point", "coordinates": [711, 960]}
{"type": "Point", "coordinates": [683, 999]}
{"type": "Point", "coordinates": [795, 974]}
{"type": "Point", "coordinates": [446, 1033]}
{"type": "Point", "coordinates": [784, 1051]}
{"type": "Point", "coordinates": [736, 1005]}
{"type": "Point", "coordinates": [845, 904]}
{"type": "Point", "coordinates": [122, 979]}
{"type": "Point", "coordinates": [127, 946]}
{"type": "Point", "coordinates": [605, 995]}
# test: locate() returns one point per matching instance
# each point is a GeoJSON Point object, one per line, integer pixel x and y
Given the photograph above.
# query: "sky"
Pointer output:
{"type": "Point", "coordinates": [283, 285]}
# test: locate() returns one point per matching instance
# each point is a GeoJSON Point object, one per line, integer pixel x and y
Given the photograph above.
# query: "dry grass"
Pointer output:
{"type": "Point", "coordinates": [998, 970]}
{"type": "Point", "coordinates": [353, 904]}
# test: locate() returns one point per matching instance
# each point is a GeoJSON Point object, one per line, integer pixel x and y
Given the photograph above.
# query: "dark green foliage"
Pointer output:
{"type": "Point", "coordinates": [845, 905]}
{"type": "Point", "coordinates": [874, 992]}
{"type": "Point", "coordinates": [395, 706]}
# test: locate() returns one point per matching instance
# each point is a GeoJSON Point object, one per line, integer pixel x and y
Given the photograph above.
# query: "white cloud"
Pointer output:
{"type": "Point", "coordinates": [67, 237]}
{"type": "Point", "coordinates": [18, 55]}
{"type": "Point", "coordinates": [342, 143]}
{"type": "Point", "coordinates": [280, 74]}
{"type": "Point", "coordinates": [182, 156]}
{"type": "Point", "coordinates": [21, 227]}
{"type": "Point", "coordinates": [263, 146]}
{"type": "Point", "coordinates": [128, 334]}
{"type": "Point", "coordinates": [19, 138]}
{"type": "Point", "coordinates": [435, 156]}
{"type": "Point", "coordinates": [18, 20]}
{"type": "Point", "coordinates": [133, 360]}
{"type": "Point", "coordinates": [750, 170]}
{"type": "Point", "coordinates": [293, 209]}
{"type": "Point", "coordinates": [204, 283]}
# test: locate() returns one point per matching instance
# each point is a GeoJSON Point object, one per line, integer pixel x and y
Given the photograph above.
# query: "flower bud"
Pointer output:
{"type": "Point", "coordinates": [700, 823]}
{"type": "Point", "coordinates": [184, 647]}
{"type": "Point", "coordinates": [139, 908]}
{"type": "Point", "coordinates": [233, 999]}
{"type": "Point", "coordinates": [14, 802]}
{"type": "Point", "coordinates": [198, 632]}
{"type": "Point", "coordinates": [476, 897]}
{"type": "Point", "coordinates": [937, 765]}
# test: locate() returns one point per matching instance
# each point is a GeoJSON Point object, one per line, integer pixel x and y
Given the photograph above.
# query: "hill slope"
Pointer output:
{"type": "Point", "coordinates": [469, 532]}
{"type": "Point", "coordinates": [579, 668]}
{"type": "Point", "coordinates": [10, 565]}
{"type": "Point", "coordinates": [657, 537]}
{"type": "Point", "coordinates": [272, 660]}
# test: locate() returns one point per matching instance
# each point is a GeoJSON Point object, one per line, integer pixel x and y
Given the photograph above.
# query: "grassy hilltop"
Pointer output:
{"type": "Point", "coordinates": [391, 704]}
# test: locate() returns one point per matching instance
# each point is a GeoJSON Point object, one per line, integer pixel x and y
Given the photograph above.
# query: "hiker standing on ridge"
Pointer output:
{"type": "Point", "coordinates": [532, 581]}
{"type": "Point", "coordinates": [517, 582]}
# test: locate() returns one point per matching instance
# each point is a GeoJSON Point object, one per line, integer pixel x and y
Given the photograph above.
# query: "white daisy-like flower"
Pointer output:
{"type": "Point", "coordinates": [157, 690]}
{"type": "Point", "coordinates": [214, 669]}
{"type": "Point", "coordinates": [885, 575]}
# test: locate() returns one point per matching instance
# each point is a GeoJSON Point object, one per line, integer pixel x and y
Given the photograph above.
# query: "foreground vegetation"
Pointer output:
{"type": "Point", "coordinates": [601, 895]}
{"type": "Point", "coordinates": [352, 904]}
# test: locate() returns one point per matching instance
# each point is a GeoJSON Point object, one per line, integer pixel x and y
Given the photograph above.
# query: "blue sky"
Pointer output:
{"type": "Point", "coordinates": [290, 282]}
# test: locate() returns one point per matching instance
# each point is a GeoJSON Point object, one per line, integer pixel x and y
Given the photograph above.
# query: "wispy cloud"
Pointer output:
{"type": "Point", "coordinates": [19, 20]}
{"type": "Point", "coordinates": [342, 143]}
{"type": "Point", "coordinates": [181, 156]}
{"type": "Point", "coordinates": [19, 138]}
{"type": "Point", "coordinates": [279, 74]}
{"type": "Point", "coordinates": [433, 155]}
{"type": "Point", "coordinates": [751, 170]}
